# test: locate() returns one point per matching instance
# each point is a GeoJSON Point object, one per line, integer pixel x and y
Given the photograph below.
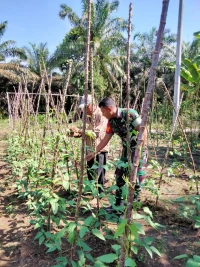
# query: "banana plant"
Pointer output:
{"type": "Point", "coordinates": [190, 71]}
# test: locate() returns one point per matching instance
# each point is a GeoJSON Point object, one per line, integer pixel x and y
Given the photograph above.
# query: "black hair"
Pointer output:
{"type": "Point", "coordinates": [107, 102]}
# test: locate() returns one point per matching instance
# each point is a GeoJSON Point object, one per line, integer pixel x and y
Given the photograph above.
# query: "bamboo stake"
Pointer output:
{"type": "Point", "coordinates": [145, 108]}
{"type": "Point", "coordinates": [84, 125]}
{"type": "Point", "coordinates": [128, 88]}
{"type": "Point", "coordinates": [93, 116]}
{"type": "Point", "coordinates": [167, 151]}
{"type": "Point", "coordinates": [184, 134]}
{"type": "Point", "coordinates": [66, 86]}
{"type": "Point", "coordinates": [136, 99]}
{"type": "Point", "coordinates": [9, 111]}
{"type": "Point", "coordinates": [124, 241]}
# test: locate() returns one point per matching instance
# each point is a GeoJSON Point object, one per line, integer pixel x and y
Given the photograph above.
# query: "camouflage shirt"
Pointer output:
{"type": "Point", "coordinates": [119, 126]}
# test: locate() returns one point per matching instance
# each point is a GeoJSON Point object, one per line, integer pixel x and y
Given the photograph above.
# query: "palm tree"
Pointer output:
{"type": "Point", "coordinates": [37, 57]}
{"type": "Point", "coordinates": [142, 51]}
{"type": "Point", "coordinates": [8, 48]}
{"type": "Point", "coordinates": [194, 48]}
{"type": "Point", "coordinates": [106, 38]}
{"type": "Point", "coordinates": [13, 70]}
{"type": "Point", "coordinates": [145, 45]}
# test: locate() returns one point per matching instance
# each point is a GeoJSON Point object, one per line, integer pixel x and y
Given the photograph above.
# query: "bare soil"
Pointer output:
{"type": "Point", "coordinates": [18, 248]}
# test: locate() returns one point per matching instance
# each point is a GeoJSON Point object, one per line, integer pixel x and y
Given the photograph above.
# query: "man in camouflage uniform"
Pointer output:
{"type": "Point", "coordinates": [117, 123]}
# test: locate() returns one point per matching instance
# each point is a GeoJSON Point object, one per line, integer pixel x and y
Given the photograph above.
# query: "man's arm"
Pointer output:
{"type": "Point", "coordinates": [101, 145]}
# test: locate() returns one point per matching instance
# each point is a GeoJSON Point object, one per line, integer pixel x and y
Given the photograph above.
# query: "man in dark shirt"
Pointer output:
{"type": "Point", "coordinates": [117, 123]}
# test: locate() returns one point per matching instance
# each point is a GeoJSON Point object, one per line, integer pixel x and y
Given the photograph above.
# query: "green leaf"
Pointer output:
{"type": "Point", "coordinates": [89, 256]}
{"type": "Point", "coordinates": [196, 258]}
{"type": "Point", "coordinates": [37, 225]}
{"type": "Point", "coordinates": [98, 234]}
{"type": "Point", "coordinates": [148, 240]}
{"type": "Point", "coordinates": [71, 237]}
{"type": "Point", "coordinates": [147, 210]}
{"type": "Point", "coordinates": [41, 239]}
{"type": "Point", "coordinates": [71, 226]}
{"type": "Point", "coordinates": [130, 262]}
{"type": "Point", "coordinates": [88, 221]}
{"type": "Point", "coordinates": [39, 234]}
{"type": "Point", "coordinates": [186, 75]}
{"type": "Point", "coordinates": [84, 246]}
{"type": "Point", "coordinates": [139, 227]}
{"type": "Point", "coordinates": [74, 264]}
{"type": "Point", "coordinates": [112, 187]}
{"type": "Point", "coordinates": [155, 250]}
{"type": "Point", "coordinates": [141, 173]}
{"type": "Point", "coordinates": [116, 248]}
{"type": "Point", "coordinates": [99, 264]}
{"type": "Point", "coordinates": [198, 205]}
{"type": "Point", "coordinates": [49, 235]}
{"type": "Point", "coordinates": [54, 205]}
{"type": "Point", "coordinates": [192, 263]}
{"type": "Point", "coordinates": [63, 262]}
{"type": "Point", "coordinates": [120, 228]}
{"type": "Point", "coordinates": [83, 230]}
{"type": "Point", "coordinates": [182, 256]}
{"type": "Point", "coordinates": [66, 185]}
{"type": "Point", "coordinates": [134, 230]}
{"type": "Point", "coordinates": [197, 34]}
{"type": "Point", "coordinates": [61, 234]}
{"type": "Point", "coordinates": [94, 167]}
{"type": "Point", "coordinates": [107, 258]}
{"type": "Point", "coordinates": [149, 251]}
{"type": "Point", "coordinates": [134, 249]}
{"type": "Point", "coordinates": [196, 60]}
{"type": "Point", "coordinates": [154, 225]}
{"type": "Point", "coordinates": [197, 225]}
{"type": "Point", "coordinates": [51, 248]}
{"type": "Point", "coordinates": [81, 258]}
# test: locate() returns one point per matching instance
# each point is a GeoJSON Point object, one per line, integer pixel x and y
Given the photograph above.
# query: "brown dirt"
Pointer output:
{"type": "Point", "coordinates": [18, 248]}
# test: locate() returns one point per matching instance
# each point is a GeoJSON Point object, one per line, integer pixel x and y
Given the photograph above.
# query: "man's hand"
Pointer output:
{"type": "Point", "coordinates": [89, 156]}
{"type": "Point", "coordinates": [75, 131]}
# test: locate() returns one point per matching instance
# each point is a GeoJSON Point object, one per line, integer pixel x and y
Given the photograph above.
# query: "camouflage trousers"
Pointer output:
{"type": "Point", "coordinates": [122, 173]}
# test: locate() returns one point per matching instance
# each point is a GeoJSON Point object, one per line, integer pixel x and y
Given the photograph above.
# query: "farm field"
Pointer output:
{"type": "Point", "coordinates": [177, 237]}
{"type": "Point", "coordinates": [91, 89]}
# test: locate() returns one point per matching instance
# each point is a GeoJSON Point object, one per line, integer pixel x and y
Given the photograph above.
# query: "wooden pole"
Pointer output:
{"type": "Point", "coordinates": [145, 109]}
{"type": "Point", "coordinates": [178, 60]}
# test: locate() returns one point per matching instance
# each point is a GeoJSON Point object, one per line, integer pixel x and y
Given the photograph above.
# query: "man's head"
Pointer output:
{"type": "Point", "coordinates": [88, 104]}
{"type": "Point", "coordinates": [108, 108]}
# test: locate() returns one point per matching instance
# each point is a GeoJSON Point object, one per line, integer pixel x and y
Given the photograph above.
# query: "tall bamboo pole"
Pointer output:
{"type": "Point", "coordinates": [128, 85]}
{"type": "Point", "coordinates": [145, 109]}
{"type": "Point", "coordinates": [178, 60]}
{"type": "Point", "coordinates": [80, 184]}
{"type": "Point", "coordinates": [124, 241]}
{"type": "Point", "coordinates": [66, 86]}
{"type": "Point", "coordinates": [84, 113]}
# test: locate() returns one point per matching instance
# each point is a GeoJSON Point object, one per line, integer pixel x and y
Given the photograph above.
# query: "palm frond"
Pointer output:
{"type": "Point", "coordinates": [3, 27]}
{"type": "Point", "coordinates": [114, 5]}
{"type": "Point", "coordinates": [15, 72]}
{"type": "Point", "coordinates": [9, 75]}
{"type": "Point", "coordinates": [66, 11]}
